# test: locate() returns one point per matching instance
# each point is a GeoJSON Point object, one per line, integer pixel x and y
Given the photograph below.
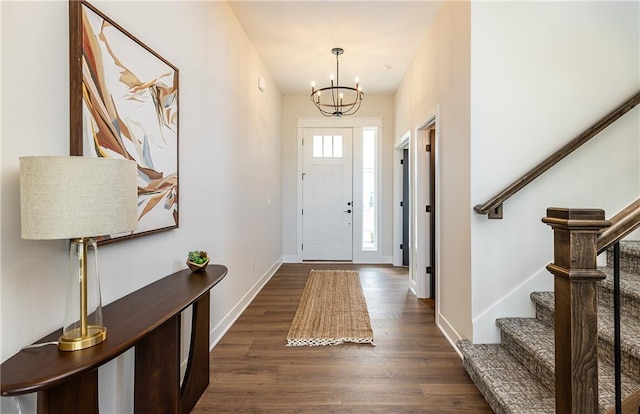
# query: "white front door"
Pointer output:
{"type": "Point", "coordinates": [327, 198]}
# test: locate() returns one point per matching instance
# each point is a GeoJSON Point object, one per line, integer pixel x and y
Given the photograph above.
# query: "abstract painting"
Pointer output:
{"type": "Point", "coordinates": [124, 104]}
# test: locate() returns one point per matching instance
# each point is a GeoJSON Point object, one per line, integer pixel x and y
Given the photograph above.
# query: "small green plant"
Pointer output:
{"type": "Point", "coordinates": [198, 256]}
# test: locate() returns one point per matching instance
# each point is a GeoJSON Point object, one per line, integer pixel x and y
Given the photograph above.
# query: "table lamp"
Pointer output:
{"type": "Point", "coordinates": [78, 198]}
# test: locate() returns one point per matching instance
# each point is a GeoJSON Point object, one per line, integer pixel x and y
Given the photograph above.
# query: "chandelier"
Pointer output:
{"type": "Point", "coordinates": [336, 100]}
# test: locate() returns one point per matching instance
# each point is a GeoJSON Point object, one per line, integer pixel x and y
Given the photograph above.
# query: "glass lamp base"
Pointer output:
{"type": "Point", "coordinates": [74, 341]}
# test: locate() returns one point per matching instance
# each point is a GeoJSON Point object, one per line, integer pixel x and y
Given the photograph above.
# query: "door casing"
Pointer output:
{"type": "Point", "coordinates": [420, 253]}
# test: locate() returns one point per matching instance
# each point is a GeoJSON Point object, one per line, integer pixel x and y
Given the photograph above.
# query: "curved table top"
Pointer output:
{"type": "Point", "coordinates": [128, 320]}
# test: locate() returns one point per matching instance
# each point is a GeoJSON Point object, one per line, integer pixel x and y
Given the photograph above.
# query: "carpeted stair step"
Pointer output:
{"type": "Point", "coordinates": [531, 342]}
{"type": "Point", "coordinates": [629, 292]}
{"type": "Point", "coordinates": [544, 306]}
{"type": "Point", "coordinates": [517, 375]}
{"type": "Point", "coordinates": [629, 279]}
{"type": "Point", "coordinates": [629, 335]}
{"type": "Point", "coordinates": [629, 297]}
{"type": "Point", "coordinates": [629, 340]}
{"type": "Point", "coordinates": [629, 256]}
{"type": "Point", "coordinates": [506, 384]}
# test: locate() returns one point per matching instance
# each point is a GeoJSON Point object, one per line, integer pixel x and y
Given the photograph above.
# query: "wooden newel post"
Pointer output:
{"type": "Point", "coordinates": [575, 233]}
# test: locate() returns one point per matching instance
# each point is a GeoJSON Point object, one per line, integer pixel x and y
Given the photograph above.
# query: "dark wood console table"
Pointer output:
{"type": "Point", "coordinates": [147, 319]}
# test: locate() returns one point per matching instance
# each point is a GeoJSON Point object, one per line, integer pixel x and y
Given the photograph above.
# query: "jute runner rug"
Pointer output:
{"type": "Point", "coordinates": [332, 311]}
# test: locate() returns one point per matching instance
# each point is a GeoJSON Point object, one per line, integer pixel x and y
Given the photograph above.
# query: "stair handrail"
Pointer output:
{"type": "Point", "coordinates": [493, 207]}
{"type": "Point", "coordinates": [623, 223]}
{"type": "Point", "coordinates": [630, 405]}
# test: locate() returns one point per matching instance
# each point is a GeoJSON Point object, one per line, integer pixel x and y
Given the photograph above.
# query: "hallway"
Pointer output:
{"type": "Point", "coordinates": [412, 368]}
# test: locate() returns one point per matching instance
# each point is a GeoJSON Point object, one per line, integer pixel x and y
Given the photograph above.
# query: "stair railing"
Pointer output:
{"type": "Point", "coordinates": [623, 223]}
{"type": "Point", "coordinates": [576, 275]}
{"type": "Point", "coordinates": [493, 207]}
{"type": "Point", "coordinates": [579, 236]}
{"type": "Point", "coordinates": [631, 405]}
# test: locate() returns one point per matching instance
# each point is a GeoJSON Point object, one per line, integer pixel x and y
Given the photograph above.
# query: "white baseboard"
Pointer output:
{"type": "Point", "coordinates": [225, 324]}
{"type": "Point", "coordinates": [515, 304]}
{"type": "Point", "coordinates": [449, 332]}
{"type": "Point", "coordinates": [291, 258]}
{"type": "Point", "coordinates": [374, 260]}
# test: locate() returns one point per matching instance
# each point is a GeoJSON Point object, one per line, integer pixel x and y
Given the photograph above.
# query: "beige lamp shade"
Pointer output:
{"type": "Point", "coordinates": [73, 197]}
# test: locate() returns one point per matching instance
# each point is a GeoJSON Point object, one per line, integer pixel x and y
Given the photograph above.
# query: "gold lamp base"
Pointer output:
{"type": "Point", "coordinates": [74, 341]}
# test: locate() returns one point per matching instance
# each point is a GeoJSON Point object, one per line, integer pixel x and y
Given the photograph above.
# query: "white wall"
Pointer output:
{"type": "Point", "coordinates": [514, 81]}
{"type": "Point", "coordinates": [541, 73]}
{"type": "Point", "coordinates": [300, 106]}
{"type": "Point", "coordinates": [440, 76]}
{"type": "Point", "coordinates": [230, 165]}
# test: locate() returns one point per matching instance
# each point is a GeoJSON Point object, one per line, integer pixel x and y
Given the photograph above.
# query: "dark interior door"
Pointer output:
{"type": "Point", "coordinates": [432, 202]}
{"type": "Point", "coordinates": [405, 207]}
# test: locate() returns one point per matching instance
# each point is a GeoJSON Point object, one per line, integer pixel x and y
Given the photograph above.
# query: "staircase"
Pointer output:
{"type": "Point", "coordinates": [517, 375]}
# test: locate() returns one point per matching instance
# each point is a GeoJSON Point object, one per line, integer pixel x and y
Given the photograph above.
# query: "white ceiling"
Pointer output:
{"type": "Point", "coordinates": [294, 40]}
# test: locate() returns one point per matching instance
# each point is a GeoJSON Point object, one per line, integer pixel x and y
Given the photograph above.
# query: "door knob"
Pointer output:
{"type": "Point", "coordinates": [348, 211]}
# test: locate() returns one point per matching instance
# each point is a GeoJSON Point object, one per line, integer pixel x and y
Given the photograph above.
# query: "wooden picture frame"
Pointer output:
{"type": "Point", "coordinates": [124, 104]}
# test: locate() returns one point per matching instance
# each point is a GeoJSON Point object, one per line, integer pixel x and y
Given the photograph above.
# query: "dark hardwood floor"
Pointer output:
{"type": "Point", "coordinates": [412, 368]}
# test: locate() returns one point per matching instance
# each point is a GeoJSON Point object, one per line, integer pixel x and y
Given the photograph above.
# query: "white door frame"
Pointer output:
{"type": "Point", "coordinates": [343, 122]}
{"type": "Point", "coordinates": [418, 190]}
{"type": "Point", "coordinates": [418, 185]}
{"type": "Point", "coordinates": [400, 145]}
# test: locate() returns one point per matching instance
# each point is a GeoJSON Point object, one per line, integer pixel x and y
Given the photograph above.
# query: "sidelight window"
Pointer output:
{"type": "Point", "coordinates": [369, 189]}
